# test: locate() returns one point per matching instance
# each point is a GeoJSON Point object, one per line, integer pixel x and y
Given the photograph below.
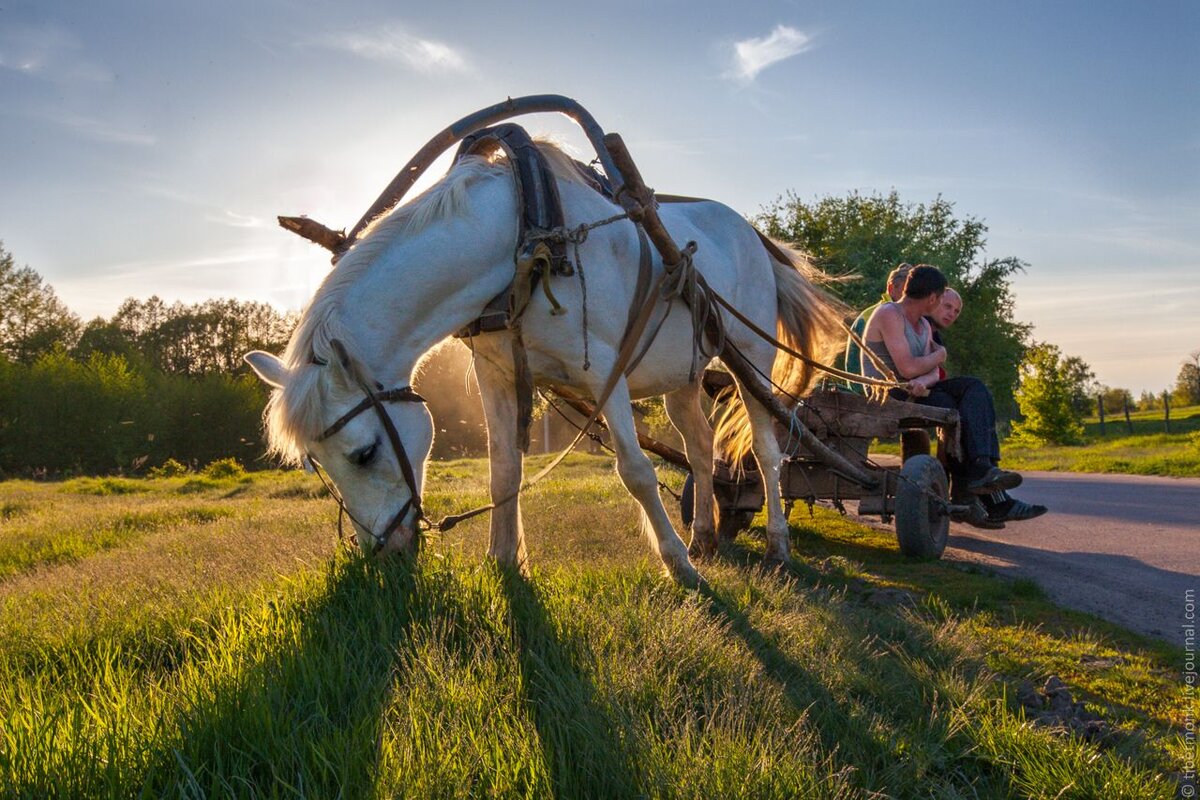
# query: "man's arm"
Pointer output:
{"type": "Point", "coordinates": [890, 323]}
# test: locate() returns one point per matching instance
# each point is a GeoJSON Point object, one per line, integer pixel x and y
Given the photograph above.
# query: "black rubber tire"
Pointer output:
{"type": "Point", "coordinates": [922, 526]}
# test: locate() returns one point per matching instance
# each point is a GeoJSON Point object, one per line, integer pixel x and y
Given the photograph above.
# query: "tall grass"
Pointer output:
{"type": "Point", "coordinates": [253, 657]}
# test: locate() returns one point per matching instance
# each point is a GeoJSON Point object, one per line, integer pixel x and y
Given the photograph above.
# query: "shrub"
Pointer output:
{"type": "Point", "coordinates": [224, 468]}
{"type": "Point", "coordinates": [170, 469]}
{"type": "Point", "coordinates": [1044, 396]}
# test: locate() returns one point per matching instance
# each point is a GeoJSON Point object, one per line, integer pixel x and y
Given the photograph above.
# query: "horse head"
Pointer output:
{"type": "Point", "coordinates": [373, 442]}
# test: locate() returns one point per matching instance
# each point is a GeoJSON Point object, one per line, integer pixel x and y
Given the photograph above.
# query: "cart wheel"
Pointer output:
{"type": "Point", "coordinates": [922, 523]}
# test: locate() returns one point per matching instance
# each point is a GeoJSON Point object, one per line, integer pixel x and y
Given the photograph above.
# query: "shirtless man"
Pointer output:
{"type": "Point", "coordinates": [902, 339]}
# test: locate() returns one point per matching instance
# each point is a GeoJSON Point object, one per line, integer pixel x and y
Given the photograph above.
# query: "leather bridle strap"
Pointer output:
{"type": "Point", "coordinates": [404, 394]}
{"type": "Point", "coordinates": [375, 399]}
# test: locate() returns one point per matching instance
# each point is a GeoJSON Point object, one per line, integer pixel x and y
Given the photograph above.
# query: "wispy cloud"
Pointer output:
{"type": "Point", "coordinates": [752, 56]}
{"type": "Point", "coordinates": [233, 219]}
{"type": "Point", "coordinates": [393, 44]}
{"type": "Point", "coordinates": [49, 52]}
{"type": "Point", "coordinates": [100, 130]}
{"type": "Point", "coordinates": [191, 265]}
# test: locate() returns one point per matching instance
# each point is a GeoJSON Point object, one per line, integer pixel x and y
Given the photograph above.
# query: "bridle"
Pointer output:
{"type": "Point", "coordinates": [375, 398]}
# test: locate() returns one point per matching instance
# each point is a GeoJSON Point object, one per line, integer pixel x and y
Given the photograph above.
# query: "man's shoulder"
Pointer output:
{"type": "Point", "coordinates": [885, 310]}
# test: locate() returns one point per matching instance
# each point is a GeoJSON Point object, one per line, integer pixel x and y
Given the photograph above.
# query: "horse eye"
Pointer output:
{"type": "Point", "coordinates": [365, 455]}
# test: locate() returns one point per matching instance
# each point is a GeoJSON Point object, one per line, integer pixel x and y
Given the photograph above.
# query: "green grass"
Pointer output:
{"type": "Point", "coordinates": [227, 646]}
{"type": "Point", "coordinates": [1148, 450]}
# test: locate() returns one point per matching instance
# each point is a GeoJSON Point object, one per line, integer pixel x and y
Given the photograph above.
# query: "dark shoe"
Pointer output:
{"type": "Point", "coordinates": [969, 510]}
{"type": "Point", "coordinates": [980, 518]}
{"type": "Point", "coordinates": [1016, 511]}
{"type": "Point", "coordinates": [994, 480]}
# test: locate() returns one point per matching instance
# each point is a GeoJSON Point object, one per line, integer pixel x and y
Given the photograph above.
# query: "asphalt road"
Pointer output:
{"type": "Point", "coordinates": [1123, 547]}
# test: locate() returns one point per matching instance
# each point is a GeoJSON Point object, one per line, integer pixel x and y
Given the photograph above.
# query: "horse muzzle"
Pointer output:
{"type": "Point", "coordinates": [400, 535]}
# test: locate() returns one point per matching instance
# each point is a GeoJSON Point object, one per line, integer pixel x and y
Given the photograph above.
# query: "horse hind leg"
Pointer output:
{"type": "Point", "coordinates": [769, 457]}
{"type": "Point", "coordinates": [683, 409]}
{"type": "Point", "coordinates": [637, 473]}
{"type": "Point", "coordinates": [499, 394]}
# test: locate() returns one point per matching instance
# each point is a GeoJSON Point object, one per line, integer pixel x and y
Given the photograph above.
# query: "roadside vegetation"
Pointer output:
{"type": "Point", "coordinates": [205, 635]}
{"type": "Point", "coordinates": [1148, 450]}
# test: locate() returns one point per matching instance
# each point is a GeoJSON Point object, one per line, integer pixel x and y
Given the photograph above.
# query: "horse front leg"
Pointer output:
{"type": "Point", "coordinates": [499, 394]}
{"type": "Point", "coordinates": [684, 410]}
{"type": "Point", "coordinates": [637, 473]}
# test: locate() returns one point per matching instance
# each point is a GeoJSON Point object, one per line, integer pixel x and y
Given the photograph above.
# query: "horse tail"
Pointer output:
{"type": "Point", "coordinates": [809, 321]}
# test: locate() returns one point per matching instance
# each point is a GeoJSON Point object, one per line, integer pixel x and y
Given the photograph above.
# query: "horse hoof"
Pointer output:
{"type": "Point", "coordinates": [687, 576]}
{"type": "Point", "coordinates": [776, 561]}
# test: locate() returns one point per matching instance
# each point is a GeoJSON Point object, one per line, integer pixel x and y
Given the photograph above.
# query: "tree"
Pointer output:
{"type": "Point", "coordinates": [33, 321]}
{"type": "Point", "coordinates": [1044, 396]}
{"type": "Point", "coordinates": [1149, 401]}
{"type": "Point", "coordinates": [106, 338]}
{"type": "Point", "coordinates": [862, 238]}
{"type": "Point", "coordinates": [1114, 399]}
{"type": "Point", "coordinates": [1083, 385]}
{"type": "Point", "coordinates": [201, 339]}
{"type": "Point", "coordinates": [1187, 383]}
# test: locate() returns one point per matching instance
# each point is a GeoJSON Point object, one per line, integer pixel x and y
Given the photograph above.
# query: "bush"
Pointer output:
{"type": "Point", "coordinates": [224, 469]}
{"type": "Point", "coordinates": [170, 469]}
{"type": "Point", "coordinates": [61, 416]}
{"type": "Point", "coordinates": [1044, 396]}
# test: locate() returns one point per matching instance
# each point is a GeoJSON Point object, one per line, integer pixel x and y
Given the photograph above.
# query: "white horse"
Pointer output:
{"type": "Point", "coordinates": [427, 270]}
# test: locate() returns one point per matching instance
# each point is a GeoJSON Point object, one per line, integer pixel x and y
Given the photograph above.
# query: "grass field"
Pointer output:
{"type": "Point", "coordinates": [1143, 447]}
{"type": "Point", "coordinates": [196, 637]}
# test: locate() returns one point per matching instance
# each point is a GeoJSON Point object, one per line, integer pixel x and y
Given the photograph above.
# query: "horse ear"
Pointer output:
{"type": "Point", "coordinates": [268, 367]}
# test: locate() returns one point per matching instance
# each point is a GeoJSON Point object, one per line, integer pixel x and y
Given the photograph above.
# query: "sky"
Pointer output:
{"type": "Point", "coordinates": [146, 147]}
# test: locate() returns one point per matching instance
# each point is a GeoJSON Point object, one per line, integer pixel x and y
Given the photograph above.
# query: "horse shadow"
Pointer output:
{"type": "Point", "coordinates": [323, 687]}
{"type": "Point", "coordinates": [844, 732]}
{"type": "Point", "coordinates": [581, 745]}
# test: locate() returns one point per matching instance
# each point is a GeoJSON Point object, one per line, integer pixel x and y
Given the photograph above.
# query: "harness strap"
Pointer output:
{"type": "Point", "coordinates": [837, 373]}
{"type": "Point", "coordinates": [404, 394]}
{"type": "Point", "coordinates": [375, 398]}
{"type": "Point", "coordinates": [620, 367]}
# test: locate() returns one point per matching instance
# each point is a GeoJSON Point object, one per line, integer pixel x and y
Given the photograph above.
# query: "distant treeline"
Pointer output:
{"type": "Point", "coordinates": [154, 382]}
{"type": "Point", "coordinates": [102, 414]}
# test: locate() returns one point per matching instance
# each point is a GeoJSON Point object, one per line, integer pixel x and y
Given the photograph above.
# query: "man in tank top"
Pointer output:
{"type": "Point", "coordinates": [901, 337]}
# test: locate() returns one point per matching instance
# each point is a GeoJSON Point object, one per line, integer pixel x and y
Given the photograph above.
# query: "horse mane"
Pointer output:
{"type": "Point", "coordinates": [294, 413]}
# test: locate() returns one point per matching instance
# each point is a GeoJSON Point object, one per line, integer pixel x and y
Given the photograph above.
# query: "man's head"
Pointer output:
{"type": "Point", "coordinates": [896, 279]}
{"type": "Point", "coordinates": [947, 311]}
{"type": "Point", "coordinates": [924, 281]}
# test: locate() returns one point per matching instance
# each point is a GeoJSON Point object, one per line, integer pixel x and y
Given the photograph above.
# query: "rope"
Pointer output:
{"type": "Point", "coordinates": [595, 437]}
{"type": "Point", "coordinates": [575, 237]}
{"type": "Point", "coordinates": [834, 371]}
{"type": "Point", "coordinates": [686, 284]}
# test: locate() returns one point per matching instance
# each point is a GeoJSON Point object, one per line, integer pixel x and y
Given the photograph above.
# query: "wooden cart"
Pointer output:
{"type": "Point", "coordinates": [915, 495]}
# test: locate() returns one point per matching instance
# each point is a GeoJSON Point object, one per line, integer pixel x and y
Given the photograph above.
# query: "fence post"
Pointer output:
{"type": "Point", "coordinates": [1128, 422]}
{"type": "Point", "coordinates": [1100, 411]}
{"type": "Point", "coordinates": [1166, 412]}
